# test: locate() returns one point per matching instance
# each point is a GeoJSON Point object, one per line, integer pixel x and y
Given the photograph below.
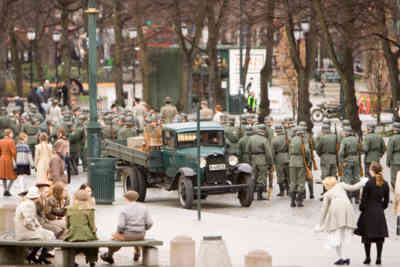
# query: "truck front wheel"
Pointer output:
{"type": "Point", "coordinates": [185, 190]}
{"type": "Point", "coordinates": [245, 195]}
{"type": "Point", "coordinates": [135, 181]}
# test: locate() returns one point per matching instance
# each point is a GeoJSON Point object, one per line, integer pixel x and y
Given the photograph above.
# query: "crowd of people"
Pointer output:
{"type": "Point", "coordinates": [54, 144]}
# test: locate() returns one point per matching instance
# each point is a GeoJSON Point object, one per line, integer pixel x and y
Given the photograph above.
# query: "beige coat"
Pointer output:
{"type": "Point", "coordinates": [337, 211]}
{"type": "Point", "coordinates": [43, 154]}
{"type": "Point", "coordinates": [27, 226]}
{"type": "Point", "coordinates": [397, 196]}
{"type": "Point", "coordinates": [57, 169]}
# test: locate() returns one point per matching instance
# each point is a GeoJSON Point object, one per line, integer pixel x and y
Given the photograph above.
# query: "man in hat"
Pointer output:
{"type": "Point", "coordinates": [133, 222]}
{"type": "Point", "coordinates": [288, 127]}
{"type": "Point", "coordinates": [128, 131]}
{"type": "Point", "coordinates": [280, 154]}
{"type": "Point", "coordinates": [139, 112]}
{"type": "Point", "coordinates": [205, 112]}
{"type": "Point", "coordinates": [349, 160]}
{"type": "Point", "coordinates": [152, 134]}
{"type": "Point", "coordinates": [393, 153]}
{"type": "Point", "coordinates": [168, 111]}
{"type": "Point", "coordinates": [232, 138]}
{"type": "Point", "coordinates": [373, 147]}
{"type": "Point", "coordinates": [297, 167]}
{"type": "Point", "coordinates": [261, 160]}
{"type": "Point", "coordinates": [310, 142]}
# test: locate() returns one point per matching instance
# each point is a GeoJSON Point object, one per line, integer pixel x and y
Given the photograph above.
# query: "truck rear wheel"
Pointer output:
{"type": "Point", "coordinates": [185, 191]}
{"type": "Point", "coordinates": [135, 181]}
{"type": "Point", "coordinates": [245, 195]}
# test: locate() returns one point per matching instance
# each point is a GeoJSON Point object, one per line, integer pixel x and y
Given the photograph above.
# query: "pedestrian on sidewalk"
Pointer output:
{"type": "Point", "coordinates": [133, 223]}
{"type": "Point", "coordinates": [24, 161]}
{"type": "Point", "coordinates": [338, 219]}
{"type": "Point", "coordinates": [371, 225]}
{"type": "Point", "coordinates": [8, 156]}
{"type": "Point", "coordinates": [43, 154]}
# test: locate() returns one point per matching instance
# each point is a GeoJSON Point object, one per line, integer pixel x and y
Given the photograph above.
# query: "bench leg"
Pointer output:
{"type": "Point", "coordinates": [150, 256]}
{"type": "Point", "coordinates": [64, 257]}
{"type": "Point", "coordinates": [12, 255]}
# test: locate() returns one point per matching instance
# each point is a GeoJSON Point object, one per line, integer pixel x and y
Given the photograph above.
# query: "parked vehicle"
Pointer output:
{"type": "Point", "coordinates": [325, 110]}
{"type": "Point", "coordinates": [174, 165]}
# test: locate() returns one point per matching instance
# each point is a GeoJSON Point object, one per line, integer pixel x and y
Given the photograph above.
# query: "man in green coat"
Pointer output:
{"type": "Point", "coordinates": [280, 154]}
{"type": "Point", "coordinates": [297, 167]}
{"type": "Point", "coordinates": [393, 153]}
{"type": "Point", "coordinates": [349, 160]}
{"type": "Point", "coordinates": [261, 160]}
{"type": "Point", "coordinates": [373, 147]}
{"type": "Point", "coordinates": [128, 131]}
{"type": "Point", "coordinates": [76, 140]}
{"type": "Point", "coordinates": [108, 131]}
{"type": "Point", "coordinates": [243, 146]}
{"type": "Point", "coordinates": [32, 130]}
{"type": "Point", "coordinates": [168, 111]}
{"type": "Point", "coordinates": [232, 138]}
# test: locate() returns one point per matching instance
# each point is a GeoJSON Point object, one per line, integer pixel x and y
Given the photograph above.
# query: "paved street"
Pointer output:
{"type": "Point", "coordinates": [271, 225]}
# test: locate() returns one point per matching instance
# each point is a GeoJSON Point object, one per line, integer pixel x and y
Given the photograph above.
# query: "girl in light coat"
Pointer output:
{"type": "Point", "coordinates": [43, 154]}
{"type": "Point", "coordinates": [338, 218]}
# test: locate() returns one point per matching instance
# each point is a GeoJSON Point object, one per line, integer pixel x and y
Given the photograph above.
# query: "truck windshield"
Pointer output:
{"type": "Point", "coordinates": [210, 138]}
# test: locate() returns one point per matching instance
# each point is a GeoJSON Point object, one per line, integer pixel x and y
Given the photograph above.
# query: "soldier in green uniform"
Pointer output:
{"type": "Point", "coordinates": [108, 131]}
{"type": "Point", "coordinates": [76, 140]}
{"type": "Point", "coordinates": [288, 127]}
{"type": "Point", "coordinates": [32, 130]}
{"type": "Point", "coordinates": [280, 154]}
{"type": "Point", "coordinates": [373, 147]}
{"type": "Point", "coordinates": [310, 142]}
{"type": "Point", "coordinates": [349, 160]}
{"type": "Point", "coordinates": [326, 150]}
{"type": "Point", "coordinates": [4, 121]}
{"type": "Point", "coordinates": [269, 132]}
{"type": "Point", "coordinates": [168, 111]}
{"type": "Point", "coordinates": [261, 159]}
{"type": "Point", "coordinates": [128, 131]}
{"type": "Point", "coordinates": [243, 145]}
{"type": "Point", "coordinates": [35, 113]}
{"type": "Point", "coordinates": [232, 138]}
{"type": "Point", "coordinates": [76, 112]}
{"type": "Point", "coordinates": [393, 153]}
{"type": "Point", "coordinates": [297, 168]}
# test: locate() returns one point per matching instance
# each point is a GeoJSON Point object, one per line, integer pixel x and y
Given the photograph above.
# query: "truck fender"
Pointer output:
{"type": "Point", "coordinates": [188, 172]}
{"type": "Point", "coordinates": [244, 167]}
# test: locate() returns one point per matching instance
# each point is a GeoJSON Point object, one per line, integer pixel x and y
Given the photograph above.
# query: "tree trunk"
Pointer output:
{"type": "Point", "coordinates": [37, 57]}
{"type": "Point", "coordinates": [3, 59]}
{"type": "Point", "coordinates": [65, 45]}
{"type": "Point", "coordinates": [117, 62]}
{"type": "Point", "coordinates": [247, 56]}
{"type": "Point", "coordinates": [16, 61]}
{"type": "Point", "coordinates": [183, 98]}
{"type": "Point", "coordinates": [266, 71]}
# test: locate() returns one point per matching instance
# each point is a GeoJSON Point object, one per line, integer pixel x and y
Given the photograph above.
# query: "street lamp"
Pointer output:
{"type": "Point", "coordinates": [31, 37]}
{"type": "Point", "coordinates": [132, 36]}
{"type": "Point", "coordinates": [185, 33]}
{"type": "Point", "coordinates": [56, 39]}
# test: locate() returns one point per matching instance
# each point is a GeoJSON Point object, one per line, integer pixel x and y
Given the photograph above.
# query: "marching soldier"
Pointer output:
{"type": "Point", "coordinates": [261, 159]}
{"type": "Point", "coordinates": [393, 153]}
{"type": "Point", "coordinates": [288, 127]}
{"type": "Point", "coordinates": [326, 150]}
{"type": "Point", "coordinates": [243, 146]}
{"type": "Point", "coordinates": [310, 142]}
{"type": "Point", "coordinates": [280, 153]}
{"type": "Point", "coordinates": [32, 130]}
{"type": "Point", "coordinates": [299, 158]}
{"type": "Point", "coordinates": [232, 138]}
{"type": "Point", "coordinates": [269, 132]}
{"type": "Point", "coordinates": [168, 111]}
{"type": "Point", "coordinates": [139, 112]}
{"type": "Point", "coordinates": [128, 131]}
{"type": "Point", "coordinates": [373, 147]}
{"type": "Point", "coordinates": [349, 158]}
{"type": "Point", "coordinates": [152, 134]}
{"type": "Point", "coordinates": [76, 140]}
{"type": "Point", "coordinates": [108, 129]}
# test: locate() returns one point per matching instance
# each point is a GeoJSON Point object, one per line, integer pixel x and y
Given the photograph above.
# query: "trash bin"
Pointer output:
{"type": "Point", "coordinates": [101, 173]}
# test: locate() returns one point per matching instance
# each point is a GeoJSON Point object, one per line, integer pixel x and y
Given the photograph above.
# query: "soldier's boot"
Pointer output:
{"type": "Point", "coordinates": [293, 199]}
{"type": "Point", "coordinates": [311, 189]}
{"type": "Point", "coordinates": [287, 188]}
{"type": "Point", "coordinates": [281, 190]}
{"type": "Point", "coordinates": [300, 200]}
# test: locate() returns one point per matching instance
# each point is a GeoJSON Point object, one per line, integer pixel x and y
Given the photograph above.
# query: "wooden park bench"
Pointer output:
{"type": "Point", "coordinates": [13, 252]}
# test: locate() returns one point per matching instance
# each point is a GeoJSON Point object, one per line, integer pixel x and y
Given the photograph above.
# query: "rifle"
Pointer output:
{"type": "Point", "coordinates": [359, 156]}
{"type": "Point", "coordinates": [337, 155]}
{"type": "Point", "coordinates": [303, 152]}
{"type": "Point", "coordinates": [286, 138]}
{"type": "Point", "coordinates": [270, 181]}
{"type": "Point", "coordinates": [312, 153]}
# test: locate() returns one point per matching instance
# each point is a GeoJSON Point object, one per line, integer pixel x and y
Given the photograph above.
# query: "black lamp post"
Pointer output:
{"type": "Point", "coordinates": [56, 39]}
{"type": "Point", "coordinates": [31, 37]}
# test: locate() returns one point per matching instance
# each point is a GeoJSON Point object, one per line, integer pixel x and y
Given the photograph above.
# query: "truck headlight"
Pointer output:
{"type": "Point", "coordinates": [203, 162]}
{"type": "Point", "coordinates": [233, 160]}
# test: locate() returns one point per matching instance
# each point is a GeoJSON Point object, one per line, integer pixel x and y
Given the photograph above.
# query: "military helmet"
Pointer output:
{"type": "Point", "coordinates": [260, 127]}
{"type": "Point", "coordinates": [345, 122]}
{"type": "Point", "coordinates": [267, 119]}
{"type": "Point", "coordinates": [300, 130]}
{"type": "Point", "coordinates": [348, 130]}
{"type": "Point", "coordinates": [303, 124]}
{"type": "Point", "coordinates": [130, 121]}
{"type": "Point", "coordinates": [396, 126]}
{"type": "Point", "coordinates": [249, 128]}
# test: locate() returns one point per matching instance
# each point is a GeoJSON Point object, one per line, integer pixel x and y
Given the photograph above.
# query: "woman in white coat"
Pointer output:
{"type": "Point", "coordinates": [43, 154]}
{"type": "Point", "coordinates": [27, 226]}
{"type": "Point", "coordinates": [338, 218]}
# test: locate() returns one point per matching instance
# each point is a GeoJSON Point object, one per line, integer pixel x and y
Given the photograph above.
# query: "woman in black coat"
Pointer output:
{"type": "Point", "coordinates": [372, 225]}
